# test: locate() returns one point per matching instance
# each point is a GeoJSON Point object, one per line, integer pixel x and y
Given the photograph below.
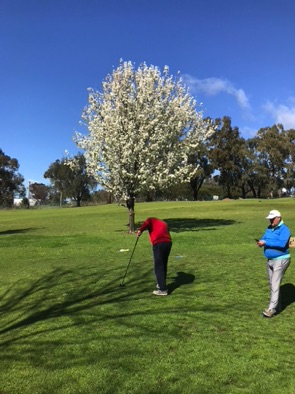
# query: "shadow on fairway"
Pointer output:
{"type": "Point", "coordinates": [65, 293]}
{"type": "Point", "coordinates": [287, 295]}
{"type": "Point", "coordinates": [181, 279]}
{"type": "Point", "coordinates": [65, 309]}
{"type": "Point", "coordinates": [16, 231]}
{"type": "Point", "coordinates": [58, 293]}
{"type": "Point", "coordinates": [181, 224]}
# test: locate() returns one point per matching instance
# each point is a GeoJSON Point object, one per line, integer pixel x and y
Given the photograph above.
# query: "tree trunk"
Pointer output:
{"type": "Point", "coordinates": [229, 195]}
{"type": "Point", "coordinates": [252, 189]}
{"type": "Point", "coordinates": [109, 198]}
{"type": "Point", "coordinates": [194, 188]}
{"type": "Point", "coordinates": [196, 184]}
{"type": "Point", "coordinates": [131, 214]}
{"type": "Point", "coordinates": [243, 190]}
{"type": "Point", "coordinates": [195, 194]}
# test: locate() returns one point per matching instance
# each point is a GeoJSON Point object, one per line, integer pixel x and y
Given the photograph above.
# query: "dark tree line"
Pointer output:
{"type": "Point", "coordinates": [255, 167]}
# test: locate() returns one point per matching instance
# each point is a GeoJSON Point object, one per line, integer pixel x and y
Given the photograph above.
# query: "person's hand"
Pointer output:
{"type": "Point", "coordinates": [138, 233]}
{"type": "Point", "coordinates": [260, 243]}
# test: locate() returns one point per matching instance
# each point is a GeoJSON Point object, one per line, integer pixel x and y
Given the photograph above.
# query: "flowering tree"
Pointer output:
{"type": "Point", "coordinates": [141, 129]}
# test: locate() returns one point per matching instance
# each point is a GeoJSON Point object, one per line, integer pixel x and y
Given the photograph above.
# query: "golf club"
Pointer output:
{"type": "Point", "coordinates": [122, 283]}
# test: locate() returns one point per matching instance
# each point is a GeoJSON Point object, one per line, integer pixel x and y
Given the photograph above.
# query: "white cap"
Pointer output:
{"type": "Point", "coordinates": [273, 214]}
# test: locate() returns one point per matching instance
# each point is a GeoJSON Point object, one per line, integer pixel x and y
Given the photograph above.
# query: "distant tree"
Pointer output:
{"type": "Point", "coordinates": [209, 189]}
{"type": "Point", "coordinates": [55, 197]}
{"type": "Point", "coordinates": [257, 172]}
{"type": "Point", "coordinates": [72, 181]}
{"type": "Point", "coordinates": [227, 156]}
{"type": "Point", "coordinates": [273, 154]}
{"type": "Point", "coordinates": [39, 191]}
{"type": "Point", "coordinates": [203, 167]}
{"type": "Point", "coordinates": [179, 191]}
{"type": "Point", "coordinates": [101, 197]}
{"type": "Point", "coordinates": [290, 167]}
{"type": "Point", "coordinates": [11, 182]}
{"type": "Point", "coordinates": [142, 129]}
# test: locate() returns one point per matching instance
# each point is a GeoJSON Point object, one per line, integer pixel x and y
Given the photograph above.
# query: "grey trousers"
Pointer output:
{"type": "Point", "coordinates": [275, 272]}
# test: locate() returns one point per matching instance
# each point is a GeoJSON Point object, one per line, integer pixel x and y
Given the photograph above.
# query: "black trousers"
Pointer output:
{"type": "Point", "coordinates": [161, 253]}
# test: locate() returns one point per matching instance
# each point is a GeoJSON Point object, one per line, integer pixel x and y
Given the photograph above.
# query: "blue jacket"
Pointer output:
{"type": "Point", "coordinates": [277, 241]}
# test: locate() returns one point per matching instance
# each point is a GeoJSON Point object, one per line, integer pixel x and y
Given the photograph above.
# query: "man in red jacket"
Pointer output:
{"type": "Point", "coordinates": [161, 242]}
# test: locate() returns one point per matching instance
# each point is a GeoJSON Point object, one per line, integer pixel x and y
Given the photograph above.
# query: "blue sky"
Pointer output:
{"type": "Point", "coordinates": [237, 57]}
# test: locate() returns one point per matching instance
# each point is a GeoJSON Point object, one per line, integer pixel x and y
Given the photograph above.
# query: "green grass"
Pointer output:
{"type": "Point", "coordinates": [67, 327]}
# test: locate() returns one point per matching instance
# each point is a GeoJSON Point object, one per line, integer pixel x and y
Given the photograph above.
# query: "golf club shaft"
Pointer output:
{"type": "Point", "coordinates": [129, 261]}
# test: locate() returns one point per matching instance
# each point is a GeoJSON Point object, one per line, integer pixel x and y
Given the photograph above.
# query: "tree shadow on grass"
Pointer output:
{"type": "Point", "coordinates": [69, 293]}
{"type": "Point", "coordinates": [181, 224]}
{"type": "Point", "coordinates": [59, 293]}
{"type": "Point", "coordinates": [181, 279]}
{"type": "Point", "coordinates": [287, 295]}
{"type": "Point", "coordinates": [47, 317]}
{"type": "Point", "coordinates": [17, 231]}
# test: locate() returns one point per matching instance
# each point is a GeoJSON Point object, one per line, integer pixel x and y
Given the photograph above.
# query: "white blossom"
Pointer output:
{"type": "Point", "coordinates": [141, 129]}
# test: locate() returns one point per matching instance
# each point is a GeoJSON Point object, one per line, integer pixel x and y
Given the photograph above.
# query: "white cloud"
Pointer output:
{"type": "Point", "coordinates": [213, 86]}
{"type": "Point", "coordinates": [248, 132]}
{"type": "Point", "coordinates": [282, 113]}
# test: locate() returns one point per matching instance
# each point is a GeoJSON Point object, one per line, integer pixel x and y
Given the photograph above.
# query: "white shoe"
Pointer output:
{"type": "Point", "coordinates": [269, 312]}
{"type": "Point", "coordinates": [160, 292]}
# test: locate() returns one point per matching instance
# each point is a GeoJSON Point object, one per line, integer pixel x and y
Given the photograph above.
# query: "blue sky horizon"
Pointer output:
{"type": "Point", "coordinates": [236, 57]}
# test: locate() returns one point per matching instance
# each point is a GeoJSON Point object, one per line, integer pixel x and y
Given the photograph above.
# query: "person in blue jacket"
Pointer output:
{"type": "Point", "coordinates": [275, 242]}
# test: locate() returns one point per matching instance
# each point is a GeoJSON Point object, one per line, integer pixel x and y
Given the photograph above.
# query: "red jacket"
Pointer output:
{"type": "Point", "coordinates": [158, 230]}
